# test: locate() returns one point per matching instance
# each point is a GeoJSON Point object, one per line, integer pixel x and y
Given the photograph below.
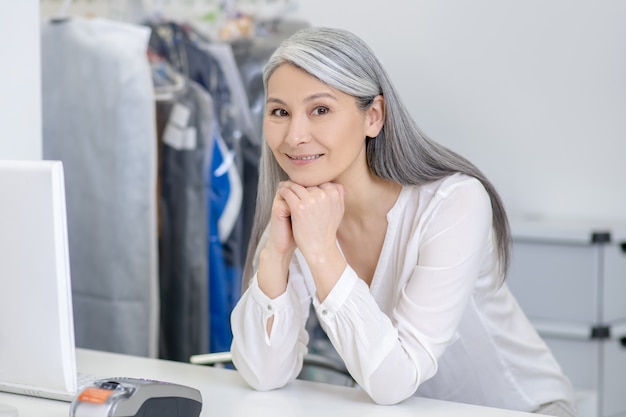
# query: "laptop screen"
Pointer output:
{"type": "Point", "coordinates": [37, 350]}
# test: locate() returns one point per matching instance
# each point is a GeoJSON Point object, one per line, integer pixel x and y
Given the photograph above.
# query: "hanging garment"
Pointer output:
{"type": "Point", "coordinates": [228, 241]}
{"type": "Point", "coordinates": [248, 147]}
{"type": "Point", "coordinates": [186, 128]}
{"type": "Point", "coordinates": [224, 199]}
{"type": "Point", "coordinates": [98, 118]}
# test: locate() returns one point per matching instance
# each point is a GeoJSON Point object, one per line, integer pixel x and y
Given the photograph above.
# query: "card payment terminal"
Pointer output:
{"type": "Point", "coordinates": [132, 397]}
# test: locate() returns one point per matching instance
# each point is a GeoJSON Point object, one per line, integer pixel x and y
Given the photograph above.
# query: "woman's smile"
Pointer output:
{"type": "Point", "coordinates": [304, 158]}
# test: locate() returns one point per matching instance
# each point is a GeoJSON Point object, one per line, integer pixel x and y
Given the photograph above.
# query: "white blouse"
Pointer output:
{"type": "Point", "coordinates": [435, 320]}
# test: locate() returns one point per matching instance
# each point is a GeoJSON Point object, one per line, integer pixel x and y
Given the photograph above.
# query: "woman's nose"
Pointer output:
{"type": "Point", "coordinates": [297, 132]}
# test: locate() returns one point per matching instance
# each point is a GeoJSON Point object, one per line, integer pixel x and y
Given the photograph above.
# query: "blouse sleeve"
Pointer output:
{"type": "Point", "coordinates": [269, 361]}
{"type": "Point", "coordinates": [391, 355]}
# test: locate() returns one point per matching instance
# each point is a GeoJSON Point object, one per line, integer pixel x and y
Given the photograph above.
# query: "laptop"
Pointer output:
{"type": "Point", "coordinates": [37, 348]}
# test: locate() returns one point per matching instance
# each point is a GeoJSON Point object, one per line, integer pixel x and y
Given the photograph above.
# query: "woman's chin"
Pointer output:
{"type": "Point", "coordinates": [308, 182]}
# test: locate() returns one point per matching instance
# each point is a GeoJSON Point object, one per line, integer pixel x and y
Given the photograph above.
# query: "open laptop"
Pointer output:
{"type": "Point", "coordinates": [37, 350]}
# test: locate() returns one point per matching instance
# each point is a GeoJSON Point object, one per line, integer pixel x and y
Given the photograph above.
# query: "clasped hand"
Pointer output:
{"type": "Point", "coordinates": [307, 218]}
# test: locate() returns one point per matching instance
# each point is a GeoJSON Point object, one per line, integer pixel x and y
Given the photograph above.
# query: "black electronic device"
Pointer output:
{"type": "Point", "coordinates": [133, 397]}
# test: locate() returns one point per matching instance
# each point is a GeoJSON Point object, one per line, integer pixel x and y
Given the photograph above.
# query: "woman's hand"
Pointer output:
{"type": "Point", "coordinates": [281, 238]}
{"type": "Point", "coordinates": [306, 218]}
{"type": "Point", "coordinates": [277, 252]}
{"type": "Point", "coordinates": [316, 213]}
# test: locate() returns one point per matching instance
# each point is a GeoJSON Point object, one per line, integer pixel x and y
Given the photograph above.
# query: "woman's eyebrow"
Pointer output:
{"type": "Point", "coordinates": [320, 95]}
{"type": "Point", "coordinates": [275, 100]}
{"type": "Point", "coordinates": [308, 99]}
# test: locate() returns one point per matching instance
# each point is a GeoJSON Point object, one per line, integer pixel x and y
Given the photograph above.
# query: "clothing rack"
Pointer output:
{"type": "Point", "coordinates": [205, 164]}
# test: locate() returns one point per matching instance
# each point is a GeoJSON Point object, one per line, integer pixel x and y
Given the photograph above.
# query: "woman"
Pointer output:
{"type": "Point", "coordinates": [400, 245]}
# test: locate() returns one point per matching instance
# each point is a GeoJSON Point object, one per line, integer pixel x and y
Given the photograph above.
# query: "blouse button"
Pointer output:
{"type": "Point", "coordinates": [269, 307]}
{"type": "Point", "coordinates": [324, 312]}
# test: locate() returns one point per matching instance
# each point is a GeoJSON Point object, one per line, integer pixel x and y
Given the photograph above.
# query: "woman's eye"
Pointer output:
{"type": "Point", "coordinates": [279, 112]}
{"type": "Point", "coordinates": [320, 110]}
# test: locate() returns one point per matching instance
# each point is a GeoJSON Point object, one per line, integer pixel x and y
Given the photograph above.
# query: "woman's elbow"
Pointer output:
{"type": "Point", "coordinates": [390, 391]}
{"type": "Point", "coordinates": [262, 377]}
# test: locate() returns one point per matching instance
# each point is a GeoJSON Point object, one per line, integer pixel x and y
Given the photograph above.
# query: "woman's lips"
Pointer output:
{"type": "Point", "coordinates": [304, 157]}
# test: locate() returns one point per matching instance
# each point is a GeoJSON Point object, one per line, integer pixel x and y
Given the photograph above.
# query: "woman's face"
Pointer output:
{"type": "Point", "coordinates": [316, 133]}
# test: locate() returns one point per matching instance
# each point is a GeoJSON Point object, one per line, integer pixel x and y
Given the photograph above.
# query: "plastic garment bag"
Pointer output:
{"type": "Point", "coordinates": [98, 118]}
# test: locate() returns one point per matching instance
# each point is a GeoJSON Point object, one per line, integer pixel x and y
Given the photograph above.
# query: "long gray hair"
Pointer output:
{"type": "Point", "coordinates": [400, 152]}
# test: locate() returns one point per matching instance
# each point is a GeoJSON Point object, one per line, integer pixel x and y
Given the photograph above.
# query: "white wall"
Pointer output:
{"type": "Point", "coordinates": [532, 91]}
{"type": "Point", "coordinates": [20, 80]}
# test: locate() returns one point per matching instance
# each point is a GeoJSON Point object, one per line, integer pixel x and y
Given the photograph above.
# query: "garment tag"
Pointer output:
{"type": "Point", "coordinates": [174, 136]}
{"type": "Point", "coordinates": [191, 138]}
{"type": "Point", "coordinates": [180, 139]}
{"type": "Point", "coordinates": [176, 133]}
{"type": "Point", "coordinates": [180, 115]}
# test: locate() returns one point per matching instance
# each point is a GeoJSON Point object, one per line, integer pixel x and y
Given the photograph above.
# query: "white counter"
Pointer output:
{"type": "Point", "coordinates": [225, 394]}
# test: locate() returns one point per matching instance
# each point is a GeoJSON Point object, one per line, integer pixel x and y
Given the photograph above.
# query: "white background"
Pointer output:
{"type": "Point", "coordinates": [532, 91]}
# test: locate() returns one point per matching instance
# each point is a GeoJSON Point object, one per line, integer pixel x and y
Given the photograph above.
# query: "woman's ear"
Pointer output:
{"type": "Point", "coordinates": [375, 117]}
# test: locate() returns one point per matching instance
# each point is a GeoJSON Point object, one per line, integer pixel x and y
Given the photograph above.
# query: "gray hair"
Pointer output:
{"type": "Point", "coordinates": [401, 152]}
